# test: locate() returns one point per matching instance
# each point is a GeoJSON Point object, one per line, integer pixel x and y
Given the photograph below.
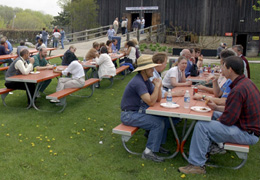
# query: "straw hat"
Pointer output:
{"type": "Point", "coordinates": [145, 62]}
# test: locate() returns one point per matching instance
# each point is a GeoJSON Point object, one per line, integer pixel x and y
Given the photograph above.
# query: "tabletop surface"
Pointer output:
{"type": "Point", "coordinates": [181, 112]}
{"type": "Point", "coordinates": [34, 78]}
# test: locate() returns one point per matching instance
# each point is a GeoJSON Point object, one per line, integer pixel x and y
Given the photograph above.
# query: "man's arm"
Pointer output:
{"type": "Point", "coordinates": [24, 70]}
{"type": "Point", "coordinates": [155, 96]}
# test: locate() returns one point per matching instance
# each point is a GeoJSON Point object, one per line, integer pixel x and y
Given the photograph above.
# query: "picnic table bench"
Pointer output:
{"type": "Point", "coordinates": [61, 95]}
{"type": "Point", "coordinates": [52, 57]}
{"type": "Point", "coordinates": [4, 92]}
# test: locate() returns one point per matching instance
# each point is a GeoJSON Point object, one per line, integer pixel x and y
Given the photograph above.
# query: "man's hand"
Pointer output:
{"type": "Point", "coordinates": [201, 87]}
{"type": "Point", "coordinates": [212, 78]}
{"type": "Point", "coordinates": [197, 96]}
{"type": "Point", "coordinates": [211, 104]}
{"type": "Point", "coordinates": [31, 60]}
{"type": "Point", "coordinates": [179, 93]}
{"type": "Point", "coordinates": [50, 67]}
{"type": "Point", "coordinates": [157, 82]}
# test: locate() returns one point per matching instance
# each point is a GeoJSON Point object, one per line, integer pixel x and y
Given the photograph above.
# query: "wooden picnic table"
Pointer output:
{"type": "Point", "coordinates": [182, 113]}
{"type": "Point", "coordinates": [34, 78]}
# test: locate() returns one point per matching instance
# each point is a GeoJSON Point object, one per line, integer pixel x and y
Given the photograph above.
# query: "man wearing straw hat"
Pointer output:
{"type": "Point", "coordinates": [140, 93]}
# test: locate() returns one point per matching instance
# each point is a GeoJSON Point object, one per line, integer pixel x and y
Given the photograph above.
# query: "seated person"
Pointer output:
{"type": "Point", "coordinates": [161, 58]}
{"type": "Point", "coordinates": [106, 66]}
{"type": "Point", "coordinates": [92, 54]}
{"type": "Point", "coordinates": [77, 79]}
{"type": "Point", "coordinates": [140, 93]}
{"type": "Point", "coordinates": [69, 56]}
{"type": "Point", "coordinates": [138, 52]}
{"type": "Point", "coordinates": [175, 77]}
{"type": "Point", "coordinates": [114, 48]}
{"type": "Point", "coordinates": [220, 93]}
{"type": "Point", "coordinates": [109, 46]}
{"type": "Point", "coordinates": [8, 45]}
{"type": "Point", "coordinates": [20, 66]}
{"type": "Point", "coordinates": [130, 52]}
{"type": "Point", "coordinates": [40, 63]}
{"type": "Point", "coordinates": [22, 46]}
{"type": "Point", "coordinates": [40, 44]}
{"type": "Point", "coordinates": [239, 123]}
{"type": "Point", "coordinates": [96, 46]}
{"type": "Point", "coordinates": [4, 52]}
{"type": "Point", "coordinates": [186, 53]}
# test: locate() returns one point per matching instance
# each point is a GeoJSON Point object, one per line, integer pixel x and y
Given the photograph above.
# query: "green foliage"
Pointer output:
{"type": "Point", "coordinates": [143, 46]}
{"type": "Point", "coordinates": [256, 8]}
{"type": "Point", "coordinates": [62, 20]}
{"type": "Point", "coordinates": [169, 50]}
{"type": "Point", "coordinates": [23, 19]}
{"type": "Point", "coordinates": [160, 49]}
{"type": "Point", "coordinates": [153, 49]}
{"type": "Point", "coordinates": [83, 14]}
{"type": "Point", "coordinates": [157, 45]}
{"type": "Point", "coordinates": [142, 49]}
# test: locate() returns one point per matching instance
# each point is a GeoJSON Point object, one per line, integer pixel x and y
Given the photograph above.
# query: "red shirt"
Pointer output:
{"type": "Point", "coordinates": [243, 106]}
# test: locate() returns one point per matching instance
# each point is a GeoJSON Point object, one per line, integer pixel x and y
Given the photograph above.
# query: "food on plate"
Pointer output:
{"type": "Point", "coordinates": [203, 109]}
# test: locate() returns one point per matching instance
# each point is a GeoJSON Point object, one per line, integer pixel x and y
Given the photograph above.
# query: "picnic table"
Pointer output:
{"type": "Point", "coordinates": [182, 113]}
{"type": "Point", "coordinates": [34, 78]}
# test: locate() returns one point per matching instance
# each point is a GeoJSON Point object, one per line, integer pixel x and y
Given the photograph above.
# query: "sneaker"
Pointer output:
{"type": "Point", "coordinates": [54, 101]}
{"type": "Point", "coordinates": [164, 151]}
{"type": "Point", "coordinates": [215, 149]}
{"type": "Point", "coordinates": [38, 95]}
{"type": "Point", "coordinates": [191, 169]}
{"type": "Point", "coordinates": [152, 156]}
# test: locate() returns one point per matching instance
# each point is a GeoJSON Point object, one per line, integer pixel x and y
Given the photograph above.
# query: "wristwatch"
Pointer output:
{"type": "Point", "coordinates": [203, 97]}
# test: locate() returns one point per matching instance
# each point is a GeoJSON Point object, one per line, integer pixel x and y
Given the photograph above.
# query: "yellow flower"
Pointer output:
{"type": "Point", "coordinates": [71, 137]}
{"type": "Point", "coordinates": [65, 174]}
{"type": "Point", "coordinates": [46, 137]}
{"type": "Point", "coordinates": [88, 118]}
{"type": "Point", "coordinates": [83, 129]}
{"type": "Point", "coordinates": [50, 151]}
{"type": "Point", "coordinates": [75, 123]}
{"type": "Point", "coordinates": [21, 140]}
{"type": "Point", "coordinates": [37, 126]}
{"type": "Point", "coordinates": [48, 140]}
{"type": "Point", "coordinates": [143, 164]}
{"type": "Point", "coordinates": [232, 157]}
{"type": "Point", "coordinates": [20, 135]}
{"type": "Point", "coordinates": [49, 146]}
{"type": "Point", "coordinates": [78, 133]}
{"type": "Point", "coordinates": [164, 169]}
{"type": "Point", "coordinates": [7, 134]}
{"type": "Point", "coordinates": [40, 139]}
{"type": "Point", "coordinates": [32, 144]}
{"type": "Point", "coordinates": [53, 139]}
{"type": "Point", "coordinates": [183, 176]}
{"type": "Point", "coordinates": [55, 154]}
{"type": "Point", "coordinates": [42, 160]}
{"type": "Point", "coordinates": [3, 125]}
{"type": "Point", "coordinates": [105, 125]}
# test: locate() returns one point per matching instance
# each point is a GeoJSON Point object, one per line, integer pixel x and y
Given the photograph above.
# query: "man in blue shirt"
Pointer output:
{"type": "Point", "coordinates": [140, 93]}
{"type": "Point", "coordinates": [114, 43]}
{"type": "Point", "coordinates": [186, 53]}
{"type": "Point", "coordinates": [4, 52]}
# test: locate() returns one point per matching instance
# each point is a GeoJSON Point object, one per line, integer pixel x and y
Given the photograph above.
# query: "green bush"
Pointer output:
{"type": "Point", "coordinates": [169, 50]}
{"type": "Point", "coordinates": [142, 49]}
{"type": "Point", "coordinates": [153, 49]}
{"type": "Point", "coordinates": [157, 44]}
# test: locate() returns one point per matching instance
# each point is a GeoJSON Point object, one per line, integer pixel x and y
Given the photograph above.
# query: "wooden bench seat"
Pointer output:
{"type": "Point", "coordinates": [118, 70]}
{"type": "Point", "coordinates": [52, 57]}
{"type": "Point", "coordinates": [126, 133]}
{"type": "Point", "coordinates": [4, 92]}
{"type": "Point", "coordinates": [4, 68]}
{"type": "Point", "coordinates": [61, 95]}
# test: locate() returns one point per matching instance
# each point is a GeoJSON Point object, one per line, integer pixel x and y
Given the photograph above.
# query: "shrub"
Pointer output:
{"type": "Point", "coordinates": [157, 44]}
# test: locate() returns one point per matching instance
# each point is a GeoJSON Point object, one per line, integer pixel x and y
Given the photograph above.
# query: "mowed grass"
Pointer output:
{"type": "Point", "coordinates": [49, 145]}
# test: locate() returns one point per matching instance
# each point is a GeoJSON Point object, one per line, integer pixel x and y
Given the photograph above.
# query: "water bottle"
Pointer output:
{"type": "Point", "coordinates": [187, 99]}
{"type": "Point", "coordinates": [201, 72]}
{"type": "Point", "coordinates": [169, 97]}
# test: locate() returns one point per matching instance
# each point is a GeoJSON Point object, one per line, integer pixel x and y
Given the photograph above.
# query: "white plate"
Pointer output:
{"type": "Point", "coordinates": [93, 63]}
{"type": "Point", "coordinates": [200, 109]}
{"type": "Point", "coordinates": [37, 72]}
{"type": "Point", "coordinates": [171, 106]}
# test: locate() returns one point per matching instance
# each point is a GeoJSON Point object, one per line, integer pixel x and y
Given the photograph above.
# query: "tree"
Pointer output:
{"type": "Point", "coordinates": [257, 8]}
{"type": "Point", "coordinates": [62, 20]}
{"type": "Point", "coordinates": [82, 13]}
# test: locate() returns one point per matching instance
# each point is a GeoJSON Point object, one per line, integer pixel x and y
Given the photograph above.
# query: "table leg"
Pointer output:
{"type": "Point", "coordinates": [185, 138]}
{"type": "Point", "coordinates": [176, 138]}
{"type": "Point", "coordinates": [32, 99]}
{"type": "Point", "coordinates": [29, 95]}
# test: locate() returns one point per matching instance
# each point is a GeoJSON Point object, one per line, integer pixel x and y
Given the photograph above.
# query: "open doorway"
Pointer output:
{"type": "Point", "coordinates": [148, 19]}
{"type": "Point", "coordinates": [242, 39]}
{"type": "Point", "coordinates": [133, 17]}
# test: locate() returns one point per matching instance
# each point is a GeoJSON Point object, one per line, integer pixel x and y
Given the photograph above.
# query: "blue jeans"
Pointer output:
{"type": "Point", "coordinates": [142, 28]}
{"type": "Point", "coordinates": [158, 126]}
{"type": "Point", "coordinates": [61, 41]}
{"type": "Point", "coordinates": [206, 132]}
{"type": "Point", "coordinates": [216, 115]}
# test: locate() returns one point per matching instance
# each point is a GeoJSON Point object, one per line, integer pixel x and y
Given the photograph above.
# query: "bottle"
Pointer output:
{"type": "Point", "coordinates": [187, 99]}
{"type": "Point", "coordinates": [169, 97]}
{"type": "Point", "coordinates": [201, 72]}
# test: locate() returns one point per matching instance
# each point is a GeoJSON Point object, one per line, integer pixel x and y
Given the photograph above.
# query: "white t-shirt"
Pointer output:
{"type": "Point", "coordinates": [173, 72]}
{"type": "Point", "coordinates": [75, 69]}
{"type": "Point", "coordinates": [56, 35]}
{"type": "Point", "coordinates": [132, 54]}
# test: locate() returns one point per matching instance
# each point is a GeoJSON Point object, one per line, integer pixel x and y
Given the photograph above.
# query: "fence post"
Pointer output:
{"type": "Point", "coordinates": [86, 34]}
{"type": "Point", "coordinates": [150, 33]}
{"type": "Point", "coordinates": [138, 35]}
{"type": "Point", "coordinates": [158, 33]}
{"type": "Point", "coordinates": [127, 36]}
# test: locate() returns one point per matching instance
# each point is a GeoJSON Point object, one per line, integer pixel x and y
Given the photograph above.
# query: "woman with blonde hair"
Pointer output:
{"type": "Point", "coordinates": [138, 52]}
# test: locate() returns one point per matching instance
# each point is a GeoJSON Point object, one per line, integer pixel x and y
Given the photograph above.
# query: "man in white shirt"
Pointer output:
{"type": "Point", "coordinates": [56, 37]}
{"type": "Point", "coordinates": [20, 66]}
{"type": "Point", "coordinates": [142, 25]}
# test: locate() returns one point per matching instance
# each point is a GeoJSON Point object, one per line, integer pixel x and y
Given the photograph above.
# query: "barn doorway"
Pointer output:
{"type": "Point", "coordinates": [242, 39]}
{"type": "Point", "coordinates": [148, 19]}
{"type": "Point", "coordinates": [134, 16]}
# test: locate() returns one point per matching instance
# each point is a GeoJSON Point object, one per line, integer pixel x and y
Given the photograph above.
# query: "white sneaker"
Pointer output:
{"type": "Point", "coordinates": [54, 101]}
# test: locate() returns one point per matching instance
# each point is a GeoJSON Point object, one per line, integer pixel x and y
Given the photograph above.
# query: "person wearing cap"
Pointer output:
{"type": "Point", "coordinates": [140, 93]}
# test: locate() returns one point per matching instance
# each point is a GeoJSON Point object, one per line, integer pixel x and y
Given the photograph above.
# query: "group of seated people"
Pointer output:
{"type": "Point", "coordinates": [235, 101]}
{"type": "Point", "coordinates": [5, 48]}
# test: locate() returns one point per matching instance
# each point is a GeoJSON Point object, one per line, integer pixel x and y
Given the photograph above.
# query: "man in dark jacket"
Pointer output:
{"type": "Point", "coordinates": [69, 56]}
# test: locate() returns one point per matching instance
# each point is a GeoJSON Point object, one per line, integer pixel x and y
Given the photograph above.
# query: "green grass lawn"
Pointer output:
{"type": "Point", "coordinates": [41, 145]}
{"type": "Point", "coordinates": [253, 58]}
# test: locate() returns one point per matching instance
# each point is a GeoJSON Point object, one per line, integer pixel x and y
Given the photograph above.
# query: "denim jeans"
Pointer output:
{"type": "Point", "coordinates": [61, 41]}
{"type": "Point", "coordinates": [216, 115]}
{"type": "Point", "coordinates": [156, 125]}
{"type": "Point", "coordinates": [206, 132]}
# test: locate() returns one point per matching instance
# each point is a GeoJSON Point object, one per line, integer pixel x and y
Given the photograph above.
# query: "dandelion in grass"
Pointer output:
{"type": "Point", "coordinates": [183, 176]}
{"type": "Point", "coordinates": [42, 160]}
{"type": "Point", "coordinates": [3, 125]}
{"type": "Point", "coordinates": [40, 139]}
{"type": "Point", "coordinates": [48, 140]}
{"type": "Point", "coordinates": [7, 134]}
{"type": "Point", "coordinates": [105, 125]}
{"type": "Point", "coordinates": [84, 130]}
{"type": "Point", "coordinates": [94, 120]}
{"type": "Point", "coordinates": [49, 146]}
{"type": "Point", "coordinates": [46, 137]}
{"type": "Point", "coordinates": [37, 126]}
{"type": "Point", "coordinates": [71, 137]}
{"type": "Point", "coordinates": [32, 144]}
{"type": "Point", "coordinates": [65, 174]}
{"type": "Point", "coordinates": [50, 151]}
{"type": "Point", "coordinates": [78, 133]}
{"type": "Point", "coordinates": [89, 118]}
{"type": "Point", "coordinates": [142, 164]}
{"type": "Point", "coordinates": [53, 139]}
{"type": "Point", "coordinates": [164, 169]}
{"type": "Point", "coordinates": [55, 154]}
{"type": "Point", "coordinates": [232, 157]}
{"type": "Point", "coordinates": [20, 140]}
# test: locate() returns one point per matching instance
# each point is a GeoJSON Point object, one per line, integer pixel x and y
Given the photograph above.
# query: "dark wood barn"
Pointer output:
{"type": "Point", "coordinates": [203, 17]}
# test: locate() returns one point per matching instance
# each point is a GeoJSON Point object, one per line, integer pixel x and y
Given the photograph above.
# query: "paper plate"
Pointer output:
{"type": "Point", "coordinates": [37, 72]}
{"type": "Point", "coordinates": [93, 63]}
{"type": "Point", "coordinates": [200, 109]}
{"type": "Point", "coordinates": [171, 106]}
